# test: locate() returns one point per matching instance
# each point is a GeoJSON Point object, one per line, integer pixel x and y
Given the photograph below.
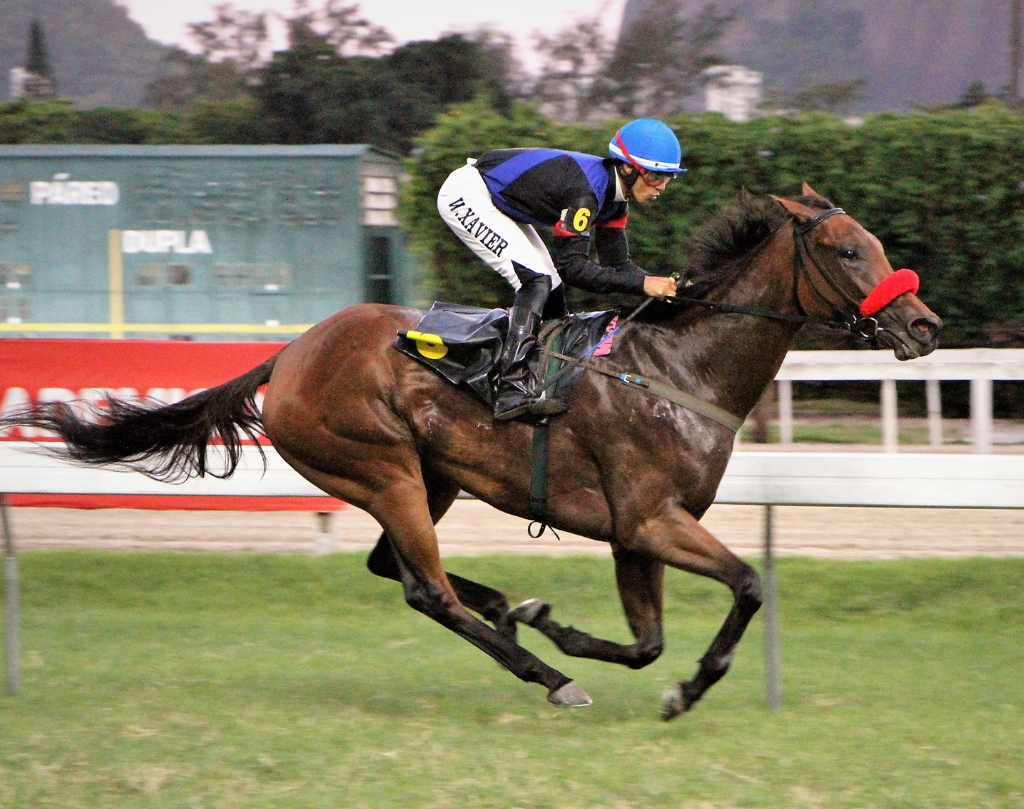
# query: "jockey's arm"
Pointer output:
{"type": "Point", "coordinates": [613, 251]}
{"type": "Point", "coordinates": [571, 256]}
{"type": "Point", "coordinates": [616, 272]}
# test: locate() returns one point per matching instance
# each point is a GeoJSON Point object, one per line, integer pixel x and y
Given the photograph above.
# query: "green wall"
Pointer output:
{"type": "Point", "coordinates": [209, 236]}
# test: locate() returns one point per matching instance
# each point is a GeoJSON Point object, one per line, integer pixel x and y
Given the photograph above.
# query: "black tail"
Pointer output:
{"type": "Point", "coordinates": [166, 442]}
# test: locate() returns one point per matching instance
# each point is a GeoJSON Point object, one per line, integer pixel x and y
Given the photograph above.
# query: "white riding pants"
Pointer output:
{"type": "Point", "coordinates": [466, 207]}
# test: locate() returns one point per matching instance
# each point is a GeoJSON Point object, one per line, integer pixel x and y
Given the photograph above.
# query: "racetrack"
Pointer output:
{"type": "Point", "coordinates": [473, 528]}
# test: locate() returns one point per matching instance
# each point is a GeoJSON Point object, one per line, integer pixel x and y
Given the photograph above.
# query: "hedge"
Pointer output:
{"type": "Point", "coordinates": [944, 191]}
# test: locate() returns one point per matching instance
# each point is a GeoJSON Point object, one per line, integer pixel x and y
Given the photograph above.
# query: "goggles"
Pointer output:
{"type": "Point", "coordinates": [656, 177]}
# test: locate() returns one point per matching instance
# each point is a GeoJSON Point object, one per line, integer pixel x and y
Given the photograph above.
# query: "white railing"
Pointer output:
{"type": "Point", "coordinates": [981, 366]}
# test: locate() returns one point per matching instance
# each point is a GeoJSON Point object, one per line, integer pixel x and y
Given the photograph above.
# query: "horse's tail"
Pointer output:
{"type": "Point", "coordinates": [166, 442]}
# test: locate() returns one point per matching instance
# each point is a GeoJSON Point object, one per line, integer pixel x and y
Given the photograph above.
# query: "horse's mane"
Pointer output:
{"type": "Point", "coordinates": [718, 250]}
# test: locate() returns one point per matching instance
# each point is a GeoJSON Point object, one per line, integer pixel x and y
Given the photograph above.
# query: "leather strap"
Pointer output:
{"type": "Point", "coordinates": [539, 473]}
{"type": "Point", "coordinates": [679, 397]}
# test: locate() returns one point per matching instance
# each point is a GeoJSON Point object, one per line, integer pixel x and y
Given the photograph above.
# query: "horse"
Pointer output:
{"type": "Point", "coordinates": [370, 426]}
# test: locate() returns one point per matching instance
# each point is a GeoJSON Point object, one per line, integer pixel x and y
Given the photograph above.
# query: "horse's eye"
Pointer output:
{"type": "Point", "coordinates": [847, 253]}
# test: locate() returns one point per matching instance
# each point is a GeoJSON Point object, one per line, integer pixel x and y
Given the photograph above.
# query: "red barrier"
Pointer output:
{"type": "Point", "coordinates": [168, 370]}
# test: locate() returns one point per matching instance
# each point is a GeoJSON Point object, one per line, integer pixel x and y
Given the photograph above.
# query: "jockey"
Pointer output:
{"type": "Point", "coordinates": [493, 203]}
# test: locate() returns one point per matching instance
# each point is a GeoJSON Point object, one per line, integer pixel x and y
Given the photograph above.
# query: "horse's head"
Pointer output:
{"type": "Point", "coordinates": [842, 272]}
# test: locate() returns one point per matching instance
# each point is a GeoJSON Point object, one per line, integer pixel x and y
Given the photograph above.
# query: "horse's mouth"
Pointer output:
{"type": "Point", "coordinates": [907, 346]}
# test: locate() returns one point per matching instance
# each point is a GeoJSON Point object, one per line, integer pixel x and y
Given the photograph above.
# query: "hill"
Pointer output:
{"type": "Point", "coordinates": [98, 55]}
{"type": "Point", "coordinates": [911, 52]}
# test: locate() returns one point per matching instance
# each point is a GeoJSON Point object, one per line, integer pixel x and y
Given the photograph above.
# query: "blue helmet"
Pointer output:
{"type": "Point", "coordinates": [649, 145]}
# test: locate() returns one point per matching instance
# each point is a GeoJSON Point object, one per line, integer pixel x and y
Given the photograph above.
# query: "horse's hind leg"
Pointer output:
{"type": "Point", "coordinates": [405, 516]}
{"type": "Point", "coordinates": [486, 601]}
{"type": "Point", "coordinates": [639, 579]}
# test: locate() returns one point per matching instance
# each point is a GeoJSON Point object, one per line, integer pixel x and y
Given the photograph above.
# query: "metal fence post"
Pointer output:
{"type": "Point", "coordinates": [12, 604]}
{"type": "Point", "coordinates": [324, 542]}
{"type": "Point", "coordinates": [771, 619]}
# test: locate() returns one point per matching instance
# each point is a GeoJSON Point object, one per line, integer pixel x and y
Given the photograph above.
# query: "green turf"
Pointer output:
{"type": "Point", "coordinates": [842, 432]}
{"type": "Point", "coordinates": [159, 680]}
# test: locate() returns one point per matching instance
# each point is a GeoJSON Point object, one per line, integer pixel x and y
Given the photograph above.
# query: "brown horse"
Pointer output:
{"type": "Point", "coordinates": [370, 426]}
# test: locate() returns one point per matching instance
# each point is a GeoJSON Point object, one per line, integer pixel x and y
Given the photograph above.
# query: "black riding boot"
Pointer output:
{"type": "Point", "coordinates": [515, 394]}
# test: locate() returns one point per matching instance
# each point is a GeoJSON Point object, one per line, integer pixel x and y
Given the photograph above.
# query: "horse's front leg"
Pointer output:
{"type": "Point", "coordinates": [639, 579]}
{"type": "Point", "coordinates": [675, 537]}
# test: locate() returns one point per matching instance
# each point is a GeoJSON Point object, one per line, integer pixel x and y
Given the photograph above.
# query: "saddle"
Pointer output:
{"type": "Point", "coordinates": [463, 344]}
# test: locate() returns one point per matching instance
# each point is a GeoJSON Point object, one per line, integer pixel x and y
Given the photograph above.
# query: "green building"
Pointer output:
{"type": "Point", "coordinates": [200, 242]}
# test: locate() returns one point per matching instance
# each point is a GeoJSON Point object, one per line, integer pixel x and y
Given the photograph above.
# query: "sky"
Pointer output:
{"type": "Point", "coordinates": [407, 20]}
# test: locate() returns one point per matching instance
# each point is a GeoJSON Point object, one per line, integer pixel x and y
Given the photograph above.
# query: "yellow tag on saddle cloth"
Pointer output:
{"type": "Point", "coordinates": [430, 346]}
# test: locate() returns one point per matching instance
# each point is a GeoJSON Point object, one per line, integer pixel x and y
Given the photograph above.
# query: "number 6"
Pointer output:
{"type": "Point", "coordinates": [581, 220]}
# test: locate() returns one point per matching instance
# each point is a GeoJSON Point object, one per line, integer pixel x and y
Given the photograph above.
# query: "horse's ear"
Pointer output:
{"type": "Point", "coordinates": [807, 191]}
{"type": "Point", "coordinates": [800, 213]}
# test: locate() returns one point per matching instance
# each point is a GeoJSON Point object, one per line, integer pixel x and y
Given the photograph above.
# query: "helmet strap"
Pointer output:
{"type": "Point", "coordinates": [640, 170]}
{"type": "Point", "coordinates": [627, 180]}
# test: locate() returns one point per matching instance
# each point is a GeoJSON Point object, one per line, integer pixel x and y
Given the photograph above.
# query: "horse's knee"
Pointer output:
{"type": "Point", "coordinates": [747, 589]}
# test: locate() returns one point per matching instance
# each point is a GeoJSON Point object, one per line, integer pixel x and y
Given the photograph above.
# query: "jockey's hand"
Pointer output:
{"type": "Point", "coordinates": [658, 287]}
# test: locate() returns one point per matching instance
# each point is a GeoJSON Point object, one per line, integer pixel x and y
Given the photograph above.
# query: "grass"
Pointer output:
{"type": "Point", "coordinates": [160, 680]}
{"type": "Point", "coordinates": [842, 432]}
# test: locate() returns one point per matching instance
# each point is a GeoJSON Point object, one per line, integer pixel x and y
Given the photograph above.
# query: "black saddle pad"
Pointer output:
{"type": "Point", "coordinates": [463, 344]}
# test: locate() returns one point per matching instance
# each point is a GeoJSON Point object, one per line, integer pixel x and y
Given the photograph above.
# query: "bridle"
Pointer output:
{"type": "Point", "coordinates": [858, 320]}
{"type": "Point", "coordinates": [864, 328]}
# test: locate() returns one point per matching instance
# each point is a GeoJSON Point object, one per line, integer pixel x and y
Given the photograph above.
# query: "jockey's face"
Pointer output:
{"type": "Point", "coordinates": [644, 189]}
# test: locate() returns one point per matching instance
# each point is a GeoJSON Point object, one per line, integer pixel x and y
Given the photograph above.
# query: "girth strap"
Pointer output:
{"type": "Point", "coordinates": [679, 397]}
{"type": "Point", "coordinates": [539, 473]}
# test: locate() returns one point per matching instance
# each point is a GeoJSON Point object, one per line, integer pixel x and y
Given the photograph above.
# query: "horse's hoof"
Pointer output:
{"type": "Point", "coordinates": [570, 695]}
{"type": "Point", "coordinates": [529, 611]}
{"type": "Point", "coordinates": [675, 701]}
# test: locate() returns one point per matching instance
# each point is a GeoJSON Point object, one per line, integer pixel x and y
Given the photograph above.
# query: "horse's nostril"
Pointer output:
{"type": "Point", "coordinates": [925, 329]}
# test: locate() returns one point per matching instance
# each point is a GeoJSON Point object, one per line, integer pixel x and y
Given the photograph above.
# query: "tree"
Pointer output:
{"type": "Point", "coordinates": [190, 79]}
{"type": "Point", "coordinates": [573, 59]}
{"type": "Point", "coordinates": [340, 26]}
{"type": "Point", "coordinates": [234, 35]}
{"type": "Point", "coordinates": [37, 60]}
{"type": "Point", "coordinates": [834, 97]}
{"type": "Point", "coordinates": [39, 83]}
{"type": "Point", "coordinates": [658, 61]}
{"type": "Point", "coordinates": [449, 69]}
{"type": "Point", "coordinates": [653, 69]}
{"type": "Point", "coordinates": [974, 96]}
{"type": "Point", "coordinates": [340, 80]}
{"type": "Point", "coordinates": [503, 78]}
{"type": "Point", "coordinates": [310, 94]}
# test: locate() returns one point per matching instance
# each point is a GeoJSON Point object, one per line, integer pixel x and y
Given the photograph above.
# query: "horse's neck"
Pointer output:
{"type": "Point", "coordinates": [728, 358]}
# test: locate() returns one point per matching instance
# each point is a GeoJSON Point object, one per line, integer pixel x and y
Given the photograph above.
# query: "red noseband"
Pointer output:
{"type": "Point", "coordinates": [888, 290]}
